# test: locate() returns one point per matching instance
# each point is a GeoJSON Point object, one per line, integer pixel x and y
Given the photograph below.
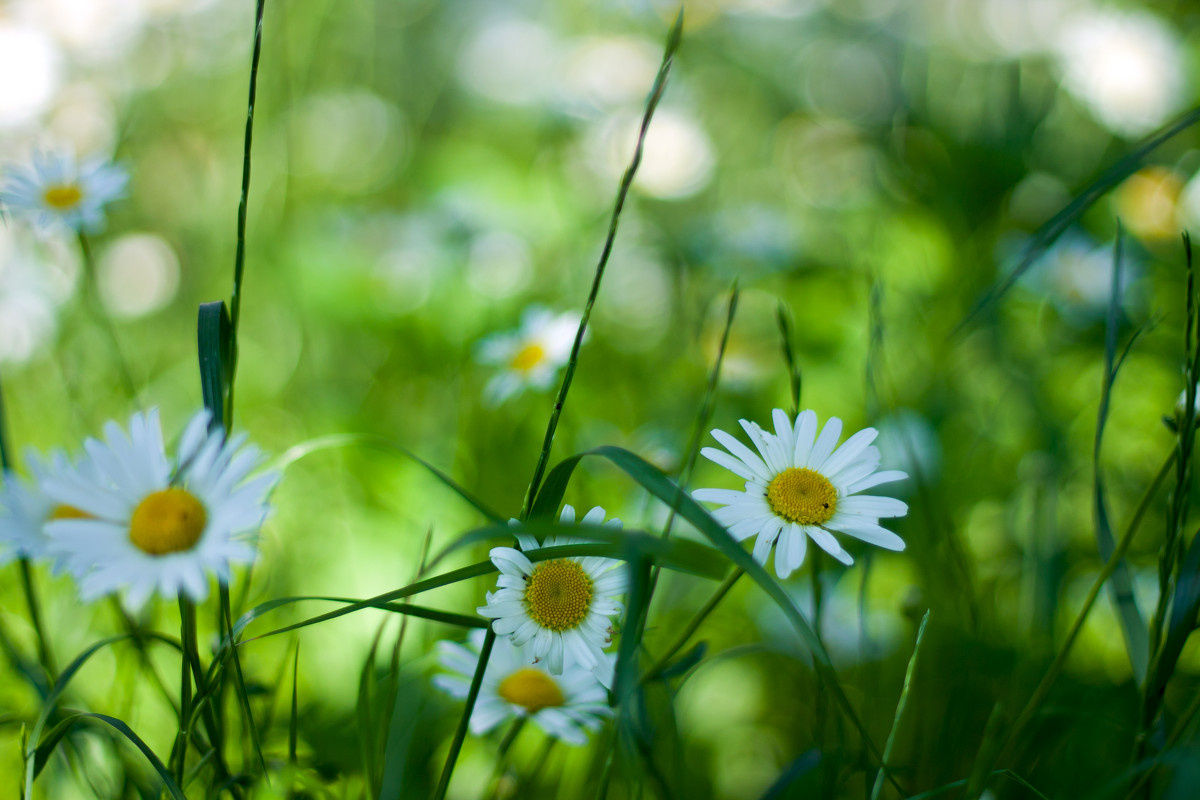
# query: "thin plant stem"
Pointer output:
{"type": "Point", "coordinates": [460, 734]}
{"type": "Point", "coordinates": [239, 263]}
{"type": "Point", "coordinates": [92, 293]}
{"type": "Point", "coordinates": [503, 755]}
{"type": "Point", "coordinates": [660, 85]}
{"type": "Point", "coordinates": [1043, 688]}
{"type": "Point", "coordinates": [187, 637]}
{"type": "Point", "coordinates": [45, 657]}
{"type": "Point", "coordinates": [694, 624]}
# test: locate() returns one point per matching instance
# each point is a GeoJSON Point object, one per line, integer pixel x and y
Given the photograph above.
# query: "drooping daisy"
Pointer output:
{"type": "Point", "coordinates": [803, 487]}
{"type": "Point", "coordinates": [25, 508]}
{"type": "Point", "coordinates": [561, 605]}
{"type": "Point", "coordinates": [157, 523]}
{"type": "Point", "coordinates": [530, 355]}
{"type": "Point", "coordinates": [58, 191]}
{"type": "Point", "coordinates": [565, 706]}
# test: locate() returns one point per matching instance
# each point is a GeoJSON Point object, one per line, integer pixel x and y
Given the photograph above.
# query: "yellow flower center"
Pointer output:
{"type": "Point", "coordinates": [532, 689]}
{"type": "Point", "coordinates": [802, 495]}
{"type": "Point", "coordinates": [168, 521]}
{"type": "Point", "coordinates": [528, 357]}
{"type": "Point", "coordinates": [69, 512]}
{"type": "Point", "coordinates": [558, 594]}
{"type": "Point", "coordinates": [62, 197]}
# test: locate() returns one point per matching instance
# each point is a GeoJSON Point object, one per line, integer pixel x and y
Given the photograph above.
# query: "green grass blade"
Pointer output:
{"type": "Point", "coordinates": [795, 382]}
{"type": "Point", "coordinates": [1060, 222]}
{"type": "Point", "coordinates": [679, 555]}
{"type": "Point", "coordinates": [460, 734]}
{"type": "Point", "coordinates": [656, 92]}
{"type": "Point", "coordinates": [294, 454]}
{"type": "Point", "coordinates": [901, 704]}
{"type": "Point", "coordinates": [1133, 626]}
{"type": "Point", "coordinates": [64, 679]}
{"type": "Point", "coordinates": [168, 782]}
{"type": "Point", "coordinates": [214, 339]}
{"type": "Point", "coordinates": [294, 719]}
{"type": "Point", "coordinates": [800, 766]}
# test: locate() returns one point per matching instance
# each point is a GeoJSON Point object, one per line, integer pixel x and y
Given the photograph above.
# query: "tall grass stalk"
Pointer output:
{"type": "Point", "coordinates": [239, 262]}
{"type": "Point", "coordinates": [656, 92]}
{"type": "Point", "coordinates": [91, 283]}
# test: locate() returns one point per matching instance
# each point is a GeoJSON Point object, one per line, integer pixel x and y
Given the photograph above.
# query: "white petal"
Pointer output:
{"type": "Point", "coordinates": [850, 450]}
{"type": "Point", "coordinates": [806, 432]}
{"type": "Point", "coordinates": [887, 476]}
{"type": "Point", "coordinates": [871, 506]}
{"type": "Point", "coordinates": [825, 444]}
{"type": "Point", "coordinates": [826, 541]}
{"type": "Point", "coordinates": [869, 533]}
{"type": "Point", "coordinates": [730, 463]}
{"type": "Point", "coordinates": [747, 456]}
{"type": "Point", "coordinates": [723, 496]}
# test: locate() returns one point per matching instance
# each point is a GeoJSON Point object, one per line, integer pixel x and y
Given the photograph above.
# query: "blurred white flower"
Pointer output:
{"type": "Point", "coordinates": [565, 706]}
{"type": "Point", "coordinates": [25, 508]}
{"type": "Point", "coordinates": [151, 523]}
{"type": "Point", "coordinates": [29, 73]}
{"type": "Point", "coordinates": [677, 156]}
{"type": "Point", "coordinates": [1127, 67]}
{"type": "Point", "coordinates": [138, 274]}
{"type": "Point", "coordinates": [530, 355]}
{"type": "Point", "coordinates": [32, 288]}
{"type": "Point", "coordinates": [511, 61]}
{"type": "Point", "coordinates": [58, 191]}
{"type": "Point", "coordinates": [1076, 275]}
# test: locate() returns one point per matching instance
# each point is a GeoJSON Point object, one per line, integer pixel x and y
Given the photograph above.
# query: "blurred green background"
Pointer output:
{"type": "Point", "coordinates": [424, 171]}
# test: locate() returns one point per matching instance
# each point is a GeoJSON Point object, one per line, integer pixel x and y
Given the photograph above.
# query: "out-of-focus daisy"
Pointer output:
{"type": "Point", "coordinates": [803, 486]}
{"type": "Point", "coordinates": [530, 355]}
{"type": "Point", "coordinates": [561, 605]}
{"type": "Point", "coordinates": [565, 706]}
{"type": "Point", "coordinates": [25, 508]}
{"type": "Point", "coordinates": [58, 191]}
{"type": "Point", "coordinates": [1128, 67]}
{"type": "Point", "coordinates": [157, 523]}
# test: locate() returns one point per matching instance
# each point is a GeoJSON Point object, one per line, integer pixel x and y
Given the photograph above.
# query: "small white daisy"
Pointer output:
{"type": "Point", "coordinates": [58, 191]}
{"type": "Point", "coordinates": [156, 523]}
{"type": "Point", "coordinates": [803, 487]}
{"type": "Point", "coordinates": [530, 355]}
{"type": "Point", "coordinates": [25, 508]}
{"type": "Point", "coordinates": [565, 706]}
{"type": "Point", "coordinates": [561, 605]}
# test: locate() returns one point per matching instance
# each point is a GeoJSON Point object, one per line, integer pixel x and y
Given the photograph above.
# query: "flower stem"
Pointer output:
{"type": "Point", "coordinates": [460, 734]}
{"type": "Point", "coordinates": [92, 294]}
{"type": "Point", "coordinates": [187, 637]}
{"type": "Point", "coordinates": [695, 623]}
{"type": "Point", "coordinates": [35, 618]}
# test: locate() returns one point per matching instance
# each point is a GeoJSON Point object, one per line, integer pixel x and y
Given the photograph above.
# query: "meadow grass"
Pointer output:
{"type": "Point", "coordinates": [713, 650]}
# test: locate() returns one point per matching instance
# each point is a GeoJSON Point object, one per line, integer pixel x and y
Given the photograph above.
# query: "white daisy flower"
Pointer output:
{"type": "Point", "coordinates": [156, 523]}
{"type": "Point", "coordinates": [25, 508]}
{"type": "Point", "coordinates": [803, 487]}
{"type": "Point", "coordinates": [561, 605]}
{"type": "Point", "coordinates": [565, 706]}
{"type": "Point", "coordinates": [58, 191]}
{"type": "Point", "coordinates": [529, 356]}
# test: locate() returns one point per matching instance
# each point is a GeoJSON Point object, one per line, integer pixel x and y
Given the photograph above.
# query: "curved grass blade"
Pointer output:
{"type": "Point", "coordinates": [64, 679]}
{"type": "Point", "coordinates": [1133, 627]}
{"type": "Point", "coordinates": [680, 555]}
{"type": "Point", "coordinates": [1058, 224]}
{"type": "Point", "coordinates": [214, 340]}
{"type": "Point", "coordinates": [901, 704]}
{"type": "Point", "coordinates": [294, 454]}
{"type": "Point", "coordinates": [799, 767]}
{"type": "Point", "coordinates": [168, 782]}
{"type": "Point", "coordinates": [654, 481]}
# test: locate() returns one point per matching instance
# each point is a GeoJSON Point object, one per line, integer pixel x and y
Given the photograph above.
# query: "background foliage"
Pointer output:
{"type": "Point", "coordinates": [424, 171]}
